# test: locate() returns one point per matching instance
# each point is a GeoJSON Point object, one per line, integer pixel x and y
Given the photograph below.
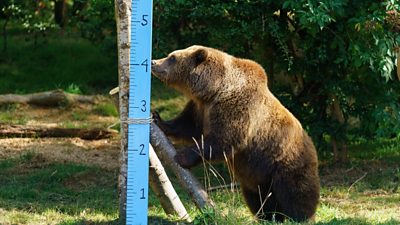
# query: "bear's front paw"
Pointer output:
{"type": "Point", "coordinates": [187, 158]}
{"type": "Point", "coordinates": [157, 120]}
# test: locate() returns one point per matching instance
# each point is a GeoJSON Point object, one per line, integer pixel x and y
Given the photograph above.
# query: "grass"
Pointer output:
{"type": "Point", "coordinates": [35, 191]}
{"type": "Point", "coordinates": [106, 109]}
{"type": "Point", "coordinates": [7, 114]}
{"type": "Point", "coordinates": [59, 61]}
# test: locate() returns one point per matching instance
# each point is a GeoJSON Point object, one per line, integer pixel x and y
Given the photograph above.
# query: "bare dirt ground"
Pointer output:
{"type": "Point", "coordinates": [103, 153]}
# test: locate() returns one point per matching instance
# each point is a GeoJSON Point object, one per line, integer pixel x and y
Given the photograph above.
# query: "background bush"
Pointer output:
{"type": "Point", "coordinates": [332, 63]}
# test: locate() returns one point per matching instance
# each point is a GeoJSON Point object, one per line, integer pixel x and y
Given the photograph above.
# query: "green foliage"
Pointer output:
{"type": "Point", "coordinates": [10, 10]}
{"type": "Point", "coordinates": [96, 22]}
{"type": "Point", "coordinates": [73, 89]}
{"type": "Point", "coordinates": [207, 217]}
{"type": "Point", "coordinates": [327, 51]}
{"type": "Point", "coordinates": [36, 17]}
{"type": "Point", "coordinates": [342, 49]}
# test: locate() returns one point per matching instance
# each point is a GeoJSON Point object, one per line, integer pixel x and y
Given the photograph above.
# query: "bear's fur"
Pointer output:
{"type": "Point", "coordinates": [230, 104]}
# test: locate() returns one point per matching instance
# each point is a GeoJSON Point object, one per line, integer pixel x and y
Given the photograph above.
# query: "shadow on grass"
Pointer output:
{"type": "Point", "coordinates": [152, 220]}
{"type": "Point", "coordinates": [88, 222]}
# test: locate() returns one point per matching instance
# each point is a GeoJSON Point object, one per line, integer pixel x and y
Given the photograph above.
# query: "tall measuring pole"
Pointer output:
{"type": "Point", "coordinates": [139, 113]}
{"type": "Point", "coordinates": [134, 23]}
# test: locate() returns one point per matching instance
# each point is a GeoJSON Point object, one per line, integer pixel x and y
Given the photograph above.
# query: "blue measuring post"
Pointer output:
{"type": "Point", "coordinates": [139, 113]}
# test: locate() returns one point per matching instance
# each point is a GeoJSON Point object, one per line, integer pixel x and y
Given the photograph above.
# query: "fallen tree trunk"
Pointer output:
{"type": "Point", "coordinates": [47, 98]}
{"type": "Point", "coordinates": [166, 151]}
{"type": "Point", "coordinates": [162, 187]}
{"type": "Point", "coordinates": [22, 131]}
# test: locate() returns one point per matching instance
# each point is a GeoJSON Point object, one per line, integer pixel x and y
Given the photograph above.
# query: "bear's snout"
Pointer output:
{"type": "Point", "coordinates": [157, 68]}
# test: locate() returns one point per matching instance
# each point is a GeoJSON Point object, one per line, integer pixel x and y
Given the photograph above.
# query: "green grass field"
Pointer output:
{"type": "Point", "coordinates": [65, 62]}
{"type": "Point", "coordinates": [35, 189]}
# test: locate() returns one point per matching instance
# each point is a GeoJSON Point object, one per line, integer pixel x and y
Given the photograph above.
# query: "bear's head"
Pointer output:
{"type": "Point", "coordinates": [195, 71]}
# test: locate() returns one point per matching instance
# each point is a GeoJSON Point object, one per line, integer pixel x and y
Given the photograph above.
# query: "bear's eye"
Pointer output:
{"type": "Point", "coordinates": [172, 59]}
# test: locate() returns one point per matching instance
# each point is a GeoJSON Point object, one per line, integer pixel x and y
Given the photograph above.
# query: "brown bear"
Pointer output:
{"type": "Point", "coordinates": [231, 106]}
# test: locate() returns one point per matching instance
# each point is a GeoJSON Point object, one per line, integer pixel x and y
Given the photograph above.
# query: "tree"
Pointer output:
{"type": "Point", "coordinates": [60, 11]}
{"type": "Point", "coordinates": [331, 63]}
{"type": "Point", "coordinates": [36, 17]}
{"type": "Point", "coordinates": [9, 11]}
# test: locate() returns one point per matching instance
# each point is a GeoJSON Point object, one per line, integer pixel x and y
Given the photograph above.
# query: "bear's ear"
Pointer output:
{"type": "Point", "coordinates": [200, 56]}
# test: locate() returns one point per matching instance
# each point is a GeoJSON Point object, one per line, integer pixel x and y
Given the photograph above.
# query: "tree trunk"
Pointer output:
{"type": "Point", "coordinates": [166, 151]}
{"type": "Point", "coordinates": [398, 62]}
{"type": "Point", "coordinates": [48, 98]}
{"type": "Point", "coordinates": [122, 15]}
{"type": "Point", "coordinates": [78, 6]}
{"type": "Point", "coordinates": [339, 146]}
{"type": "Point", "coordinates": [5, 34]}
{"type": "Point", "coordinates": [20, 131]}
{"type": "Point", "coordinates": [60, 11]}
{"type": "Point", "coordinates": [162, 187]}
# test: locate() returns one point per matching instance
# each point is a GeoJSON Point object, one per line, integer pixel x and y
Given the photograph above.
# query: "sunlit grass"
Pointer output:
{"type": "Point", "coordinates": [105, 109]}
{"type": "Point", "coordinates": [7, 114]}
{"type": "Point", "coordinates": [36, 191]}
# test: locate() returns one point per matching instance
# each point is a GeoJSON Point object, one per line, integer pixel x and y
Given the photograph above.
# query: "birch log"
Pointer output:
{"type": "Point", "coordinates": [122, 16]}
{"type": "Point", "coordinates": [162, 187]}
{"type": "Point", "coordinates": [166, 152]}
